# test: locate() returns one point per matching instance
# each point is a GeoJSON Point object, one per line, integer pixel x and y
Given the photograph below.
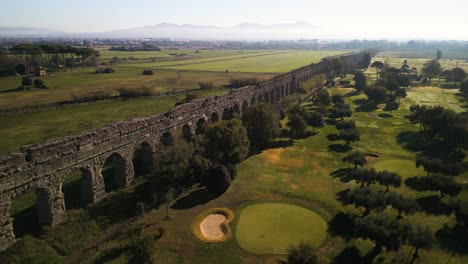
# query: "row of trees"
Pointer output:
{"type": "Point", "coordinates": [52, 56]}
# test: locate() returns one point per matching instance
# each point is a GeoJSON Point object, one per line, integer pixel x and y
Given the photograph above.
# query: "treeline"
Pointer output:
{"type": "Point", "coordinates": [141, 47]}
{"type": "Point", "coordinates": [29, 57]}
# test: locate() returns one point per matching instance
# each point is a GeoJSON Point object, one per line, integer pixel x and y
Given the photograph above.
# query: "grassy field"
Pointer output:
{"type": "Point", "coordinates": [273, 227]}
{"type": "Point", "coordinates": [271, 62]}
{"type": "Point", "coordinates": [396, 61]}
{"type": "Point", "coordinates": [15, 130]}
{"type": "Point", "coordinates": [427, 54]}
{"type": "Point", "coordinates": [83, 81]}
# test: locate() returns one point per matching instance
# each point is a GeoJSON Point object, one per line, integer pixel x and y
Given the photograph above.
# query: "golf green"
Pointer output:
{"type": "Point", "coordinates": [273, 227]}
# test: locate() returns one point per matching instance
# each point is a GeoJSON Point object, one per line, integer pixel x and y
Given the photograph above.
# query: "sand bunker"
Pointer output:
{"type": "Point", "coordinates": [211, 226]}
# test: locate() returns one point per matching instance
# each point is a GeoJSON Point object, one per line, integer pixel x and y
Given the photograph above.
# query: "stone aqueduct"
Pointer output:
{"type": "Point", "coordinates": [43, 167]}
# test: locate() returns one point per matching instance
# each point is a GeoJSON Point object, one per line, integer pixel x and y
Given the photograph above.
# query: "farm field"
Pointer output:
{"type": "Point", "coordinates": [15, 130]}
{"type": "Point", "coordinates": [272, 62]}
{"type": "Point", "coordinates": [417, 59]}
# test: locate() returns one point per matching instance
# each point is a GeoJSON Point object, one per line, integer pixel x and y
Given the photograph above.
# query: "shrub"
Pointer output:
{"type": "Point", "coordinates": [390, 106]}
{"type": "Point", "coordinates": [148, 72]}
{"type": "Point", "coordinates": [26, 81]}
{"type": "Point", "coordinates": [142, 248]}
{"type": "Point", "coordinates": [237, 83]}
{"type": "Point", "coordinates": [93, 96]}
{"type": "Point", "coordinates": [30, 250]}
{"type": "Point", "coordinates": [217, 179]}
{"type": "Point", "coordinates": [303, 253]}
{"type": "Point", "coordinates": [301, 90]}
{"type": "Point", "coordinates": [104, 70]}
{"type": "Point", "coordinates": [136, 92]}
{"type": "Point", "coordinates": [38, 83]}
{"type": "Point", "coordinates": [206, 85]}
{"type": "Point", "coordinates": [345, 124]}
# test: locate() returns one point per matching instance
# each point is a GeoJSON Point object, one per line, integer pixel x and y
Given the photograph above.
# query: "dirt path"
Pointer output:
{"type": "Point", "coordinates": [108, 235]}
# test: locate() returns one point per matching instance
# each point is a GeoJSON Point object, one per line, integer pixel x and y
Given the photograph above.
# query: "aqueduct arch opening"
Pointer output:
{"type": "Point", "coordinates": [143, 159]}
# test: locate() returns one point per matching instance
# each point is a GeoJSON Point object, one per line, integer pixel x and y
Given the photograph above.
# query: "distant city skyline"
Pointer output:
{"type": "Point", "coordinates": [417, 19]}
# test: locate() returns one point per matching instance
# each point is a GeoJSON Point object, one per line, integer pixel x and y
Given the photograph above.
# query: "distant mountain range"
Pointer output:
{"type": "Point", "coordinates": [245, 31]}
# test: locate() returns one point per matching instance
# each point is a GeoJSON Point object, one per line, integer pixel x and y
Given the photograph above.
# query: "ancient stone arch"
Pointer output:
{"type": "Point", "coordinates": [42, 166]}
{"type": "Point", "coordinates": [244, 106]}
{"type": "Point", "coordinates": [201, 126]}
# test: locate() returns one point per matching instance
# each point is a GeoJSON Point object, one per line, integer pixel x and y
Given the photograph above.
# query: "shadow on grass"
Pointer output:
{"type": "Point", "coordinates": [275, 144]}
{"type": "Point", "coordinates": [339, 148]}
{"type": "Point", "coordinates": [419, 141]}
{"type": "Point", "coordinates": [330, 121]}
{"type": "Point", "coordinates": [453, 239]}
{"type": "Point", "coordinates": [342, 224]}
{"type": "Point", "coordinates": [350, 255]}
{"type": "Point", "coordinates": [12, 90]}
{"type": "Point", "coordinates": [333, 137]}
{"type": "Point", "coordinates": [197, 197]}
{"type": "Point", "coordinates": [367, 107]}
{"type": "Point", "coordinates": [353, 93]}
{"type": "Point", "coordinates": [343, 174]}
{"type": "Point", "coordinates": [110, 255]}
{"type": "Point", "coordinates": [433, 205]}
{"type": "Point", "coordinates": [385, 115]}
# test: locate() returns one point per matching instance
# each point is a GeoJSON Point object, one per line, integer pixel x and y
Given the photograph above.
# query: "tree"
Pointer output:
{"type": "Point", "coordinates": [420, 237]}
{"type": "Point", "coordinates": [321, 97]}
{"type": "Point", "coordinates": [360, 81]}
{"type": "Point", "coordinates": [341, 111]}
{"type": "Point", "coordinates": [464, 87]}
{"type": "Point", "coordinates": [169, 198]}
{"type": "Point", "coordinates": [402, 204]}
{"type": "Point", "coordinates": [383, 230]}
{"type": "Point", "coordinates": [173, 162]}
{"type": "Point", "coordinates": [142, 248]}
{"type": "Point", "coordinates": [364, 176]}
{"type": "Point", "coordinates": [445, 185]}
{"type": "Point", "coordinates": [378, 65]}
{"type": "Point", "coordinates": [461, 212]}
{"type": "Point", "coordinates": [26, 82]}
{"type": "Point", "coordinates": [217, 179]}
{"type": "Point", "coordinates": [356, 158]}
{"type": "Point", "coordinates": [388, 178]}
{"type": "Point", "coordinates": [345, 124]}
{"type": "Point", "coordinates": [378, 94]}
{"type": "Point", "coordinates": [391, 106]}
{"type": "Point", "coordinates": [392, 85]}
{"type": "Point", "coordinates": [365, 197]}
{"type": "Point", "coordinates": [296, 109]}
{"type": "Point", "coordinates": [303, 253]}
{"type": "Point", "coordinates": [261, 122]}
{"type": "Point", "coordinates": [366, 60]}
{"type": "Point", "coordinates": [400, 93]}
{"type": "Point", "coordinates": [431, 69]}
{"type": "Point", "coordinates": [315, 120]}
{"type": "Point", "coordinates": [457, 75]}
{"type": "Point", "coordinates": [27, 54]}
{"type": "Point", "coordinates": [349, 135]}
{"type": "Point", "coordinates": [430, 165]}
{"type": "Point", "coordinates": [337, 66]}
{"type": "Point", "coordinates": [226, 142]}
{"type": "Point", "coordinates": [438, 54]}
{"type": "Point", "coordinates": [297, 125]}
{"type": "Point", "coordinates": [337, 99]}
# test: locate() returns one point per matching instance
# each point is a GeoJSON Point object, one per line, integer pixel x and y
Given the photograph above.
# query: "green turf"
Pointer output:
{"type": "Point", "coordinates": [273, 227]}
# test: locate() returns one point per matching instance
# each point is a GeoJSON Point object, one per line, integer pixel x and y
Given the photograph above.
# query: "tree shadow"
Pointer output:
{"type": "Point", "coordinates": [333, 137]}
{"type": "Point", "coordinates": [330, 121]}
{"type": "Point", "coordinates": [342, 224]}
{"type": "Point", "coordinates": [197, 197]}
{"type": "Point", "coordinates": [453, 239]}
{"type": "Point", "coordinates": [352, 93]}
{"type": "Point", "coordinates": [360, 101]}
{"type": "Point", "coordinates": [367, 107]}
{"type": "Point", "coordinates": [433, 205]}
{"type": "Point", "coordinates": [350, 255]}
{"type": "Point", "coordinates": [110, 255]}
{"type": "Point", "coordinates": [385, 115]}
{"type": "Point", "coordinates": [339, 148]}
{"type": "Point", "coordinates": [343, 174]}
{"type": "Point", "coordinates": [272, 145]}
{"type": "Point", "coordinates": [415, 183]}
{"type": "Point", "coordinates": [12, 90]}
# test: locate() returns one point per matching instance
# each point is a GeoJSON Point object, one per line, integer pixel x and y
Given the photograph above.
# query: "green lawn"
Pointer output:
{"type": "Point", "coordinates": [63, 85]}
{"type": "Point", "coordinates": [273, 227]}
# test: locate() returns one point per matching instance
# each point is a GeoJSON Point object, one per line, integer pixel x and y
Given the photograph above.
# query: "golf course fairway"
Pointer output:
{"type": "Point", "coordinates": [272, 227]}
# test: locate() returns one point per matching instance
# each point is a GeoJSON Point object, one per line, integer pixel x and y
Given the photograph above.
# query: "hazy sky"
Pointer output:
{"type": "Point", "coordinates": [414, 19]}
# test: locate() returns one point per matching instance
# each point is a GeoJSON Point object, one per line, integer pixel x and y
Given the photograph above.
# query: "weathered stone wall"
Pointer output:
{"type": "Point", "coordinates": [43, 167]}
